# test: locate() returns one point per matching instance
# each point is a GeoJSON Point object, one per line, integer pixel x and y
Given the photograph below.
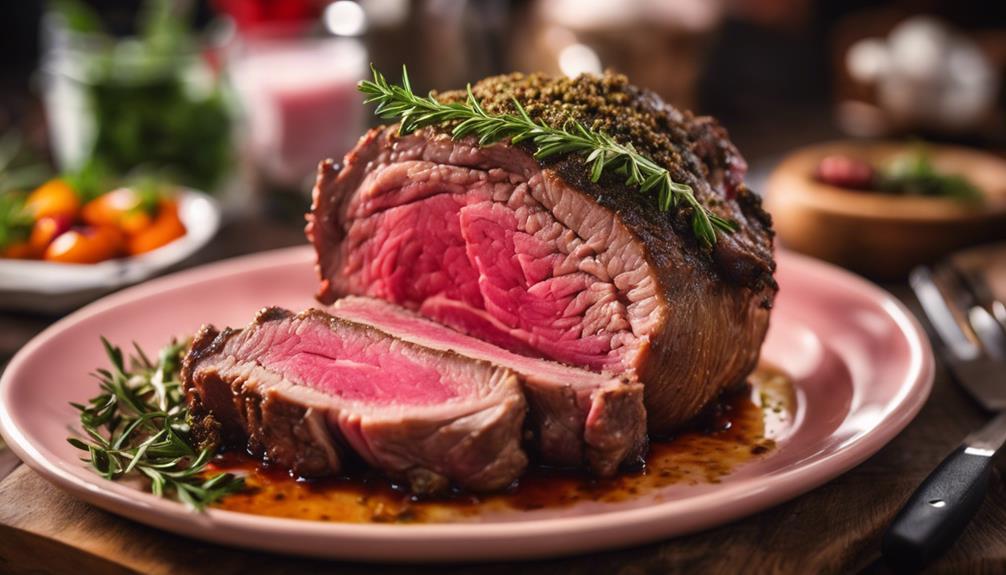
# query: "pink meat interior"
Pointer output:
{"type": "Point", "coordinates": [357, 365]}
{"type": "Point", "coordinates": [407, 325]}
{"type": "Point", "coordinates": [476, 251]}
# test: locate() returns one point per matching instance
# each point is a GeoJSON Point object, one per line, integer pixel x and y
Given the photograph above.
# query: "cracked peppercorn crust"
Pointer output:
{"type": "Point", "coordinates": [694, 149]}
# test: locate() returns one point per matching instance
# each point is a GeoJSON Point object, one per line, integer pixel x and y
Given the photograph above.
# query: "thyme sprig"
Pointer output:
{"type": "Point", "coordinates": [602, 151]}
{"type": "Point", "coordinates": [139, 424]}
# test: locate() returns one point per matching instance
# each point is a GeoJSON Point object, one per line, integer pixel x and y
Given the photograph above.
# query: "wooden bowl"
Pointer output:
{"type": "Point", "coordinates": [878, 235]}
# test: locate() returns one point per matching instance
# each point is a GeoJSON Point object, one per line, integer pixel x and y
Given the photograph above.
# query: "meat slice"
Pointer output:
{"type": "Point", "coordinates": [307, 391]}
{"type": "Point", "coordinates": [578, 417]}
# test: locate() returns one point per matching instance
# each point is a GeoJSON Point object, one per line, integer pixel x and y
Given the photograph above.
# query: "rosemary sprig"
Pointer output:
{"type": "Point", "coordinates": [139, 424]}
{"type": "Point", "coordinates": [602, 151]}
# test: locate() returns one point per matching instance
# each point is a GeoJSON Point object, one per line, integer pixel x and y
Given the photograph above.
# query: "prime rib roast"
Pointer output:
{"type": "Point", "coordinates": [469, 280]}
{"type": "Point", "coordinates": [535, 258]}
{"type": "Point", "coordinates": [311, 392]}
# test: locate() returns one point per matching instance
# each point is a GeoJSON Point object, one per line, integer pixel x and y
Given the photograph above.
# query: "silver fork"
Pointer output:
{"type": "Point", "coordinates": [973, 345]}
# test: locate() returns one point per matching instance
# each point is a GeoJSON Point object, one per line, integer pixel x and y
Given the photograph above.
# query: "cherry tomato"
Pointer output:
{"type": "Point", "coordinates": [18, 251]}
{"type": "Point", "coordinates": [165, 228]}
{"type": "Point", "coordinates": [53, 198]}
{"type": "Point", "coordinates": [45, 230]}
{"type": "Point", "coordinates": [121, 207]}
{"type": "Point", "coordinates": [86, 245]}
{"type": "Point", "coordinates": [845, 172]}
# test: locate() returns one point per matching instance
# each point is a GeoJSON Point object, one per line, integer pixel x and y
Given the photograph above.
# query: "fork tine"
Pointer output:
{"type": "Point", "coordinates": [963, 333]}
{"type": "Point", "coordinates": [976, 283]}
{"type": "Point", "coordinates": [932, 295]}
{"type": "Point", "coordinates": [989, 332]}
{"type": "Point", "coordinates": [999, 312]}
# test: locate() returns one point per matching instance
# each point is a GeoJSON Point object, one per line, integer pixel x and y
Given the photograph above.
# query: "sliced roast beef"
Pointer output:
{"type": "Point", "coordinates": [578, 417]}
{"type": "Point", "coordinates": [309, 390]}
{"type": "Point", "coordinates": [535, 258]}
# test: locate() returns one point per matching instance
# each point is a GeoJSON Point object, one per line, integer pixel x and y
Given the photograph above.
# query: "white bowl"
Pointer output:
{"type": "Point", "coordinates": [35, 285]}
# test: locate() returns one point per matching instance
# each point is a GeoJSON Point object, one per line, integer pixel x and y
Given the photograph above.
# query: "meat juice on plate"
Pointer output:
{"type": "Point", "coordinates": [741, 428]}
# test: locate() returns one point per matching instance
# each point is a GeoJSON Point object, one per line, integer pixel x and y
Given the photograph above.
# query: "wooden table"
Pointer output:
{"type": "Point", "coordinates": [833, 529]}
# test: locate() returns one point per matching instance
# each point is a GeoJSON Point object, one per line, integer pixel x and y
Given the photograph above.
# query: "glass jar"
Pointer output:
{"type": "Point", "coordinates": [299, 103]}
{"type": "Point", "coordinates": [120, 105]}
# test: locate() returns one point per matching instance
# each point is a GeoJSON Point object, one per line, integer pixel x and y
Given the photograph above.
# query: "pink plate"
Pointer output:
{"type": "Point", "coordinates": [862, 370]}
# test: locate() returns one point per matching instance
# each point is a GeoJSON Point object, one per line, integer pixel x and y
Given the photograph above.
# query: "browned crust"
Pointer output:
{"type": "Point", "coordinates": [321, 228]}
{"type": "Point", "coordinates": [616, 431]}
{"type": "Point", "coordinates": [225, 414]}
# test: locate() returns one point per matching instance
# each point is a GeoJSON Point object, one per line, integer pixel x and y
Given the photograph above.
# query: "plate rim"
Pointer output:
{"type": "Point", "coordinates": [656, 521]}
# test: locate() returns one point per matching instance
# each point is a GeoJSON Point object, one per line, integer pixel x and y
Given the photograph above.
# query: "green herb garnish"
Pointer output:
{"type": "Point", "coordinates": [139, 424]}
{"type": "Point", "coordinates": [602, 151]}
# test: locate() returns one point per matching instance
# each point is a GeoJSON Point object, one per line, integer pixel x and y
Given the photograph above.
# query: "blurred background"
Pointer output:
{"type": "Point", "coordinates": [108, 108]}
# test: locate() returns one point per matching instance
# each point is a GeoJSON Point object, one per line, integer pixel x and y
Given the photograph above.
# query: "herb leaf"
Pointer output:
{"type": "Point", "coordinates": [914, 174]}
{"type": "Point", "coordinates": [139, 423]}
{"type": "Point", "coordinates": [602, 152]}
{"type": "Point", "coordinates": [15, 221]}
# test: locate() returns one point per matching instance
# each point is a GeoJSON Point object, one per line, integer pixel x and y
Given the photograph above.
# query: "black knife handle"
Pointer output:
{"type": "Point", "coordinates": [938, 511]}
